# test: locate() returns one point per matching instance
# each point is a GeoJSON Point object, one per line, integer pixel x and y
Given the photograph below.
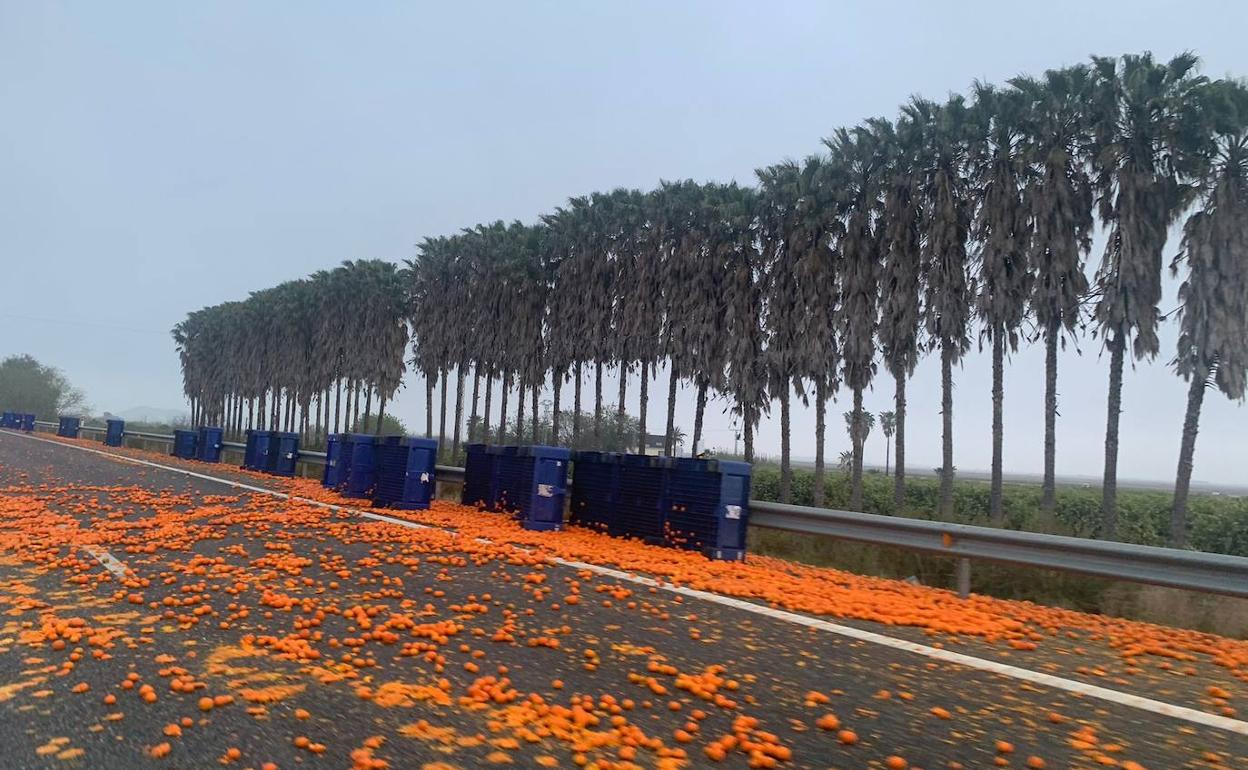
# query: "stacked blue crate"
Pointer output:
{"type": "Point", "coordinates": [332, 474]}
{"type": "Point", "coordinates": [68, 427]}
{"type": "Point", "coordinates": [532, 482]}
{"type": "Point", "coordinates": [283, 453]}
{"type": "Point", "coordinates": [28, 423]}
{"type": "Point", "coordinates": [480, 473]}
{"type": "Point", "coordinates": [405, 468]}
{"type": "Point", "coordinates": [346, 448]}
{"type": "Point", "coordinates": [707, 507]}
{"type": "Point", "coordinates": [641, 504]}
{"type": "Point", "coordinates": [256, 454]}
{"type": "Point", "coordinates": [361, 472]}
{"type": "Point", "coordinates": [209, 446]}
{"type": "Point", "coordinates": [8, 420]}
{"type": "Point", "coordinates": [184, 444]}
{"type": "Point", "coordinates": [116, 431]}
{"type": "Point", "coordinates": [512, 477]}
{"type": "Point", "coordinates": [595, 486]}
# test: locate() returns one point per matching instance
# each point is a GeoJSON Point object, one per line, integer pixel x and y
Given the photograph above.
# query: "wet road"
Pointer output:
{"type": "Point", "coordinates": [240, 629]}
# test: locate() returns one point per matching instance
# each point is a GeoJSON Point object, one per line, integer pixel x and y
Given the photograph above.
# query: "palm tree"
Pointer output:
{"type": "Point", "coordinates": [901, 281]}
{"type": "Point", "coordinates": [947, 203]}
{"type": "Point", "coordinates": [1059, 200]}
{"type": "Point", "coordinates": [778, 201]}
{"type": "Point", "coordinates": [747, 369]}
{"type": "Point", "coordinates": [1002, 230]}
{"type": "Point", "coordinates": [1141, 112]}
{"type": "Point", "coordinates": [1213, 316]}
{"type": "Point", "coordinates": [888, 425]}
{"type": "Point", "coordinates": [856, 170]}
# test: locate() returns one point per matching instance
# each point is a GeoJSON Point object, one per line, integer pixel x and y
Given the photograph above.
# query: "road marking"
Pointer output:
{"type": "Point", "coordinates": [109, 561]}
{"type": "Point", "coordinates": [1118, 697]}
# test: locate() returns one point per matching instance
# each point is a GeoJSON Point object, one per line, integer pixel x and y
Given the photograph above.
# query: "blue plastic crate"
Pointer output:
{"type": "Point", "coordinates": [640, 506]}
{"type": "Point", "coordinates": [361, 473]}
{"type": "Point", "coordinates": [283, 453]}
{"type": "Point", "coordinates": [209, 446]}
{"type": "Point", "coordinates": [28, 423]}
{"type": "Point", "coordinates": [532, 482]}
{"type": "Point", "coordinates": [184, 442]}
{"type": "Point", "coordinates": [707, 507]}
{"type": "Point", "coordinates": [596, 481]}
{"type": "Point", "coordinates": [115, 433]}
{"type": "Point", "coordinates": [256, 453]}
{"type": "Point", "coordinates": [405, 472]}
{"type": "Point", "coordinates": [332, 474]}
{"type": "Point", "coordinates": [480, 477]}
{"type": "Point", "coordinates": [9, 420]}
{"type": "Point", "coordinates": [68, 427]}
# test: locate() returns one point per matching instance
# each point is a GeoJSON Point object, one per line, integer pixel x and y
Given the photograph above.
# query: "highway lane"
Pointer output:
{"type": "Point", "coordinates": [669, 676]}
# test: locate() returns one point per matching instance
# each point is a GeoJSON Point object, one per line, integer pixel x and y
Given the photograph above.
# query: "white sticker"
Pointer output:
{"type": "Point", "coordinates": [732, 511]}
{"type": "Point", "coordinates": [424, 478]}
{"type": "Point", "coordinates": [545, 490]}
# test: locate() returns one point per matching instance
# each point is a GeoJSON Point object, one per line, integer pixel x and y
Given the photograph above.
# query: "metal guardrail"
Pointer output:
{"type": "Point", "coordinates": [1171, 567]}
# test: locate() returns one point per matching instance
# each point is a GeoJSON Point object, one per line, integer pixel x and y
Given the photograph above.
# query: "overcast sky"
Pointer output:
{"type": "Point", "coordinates": [159, 157]}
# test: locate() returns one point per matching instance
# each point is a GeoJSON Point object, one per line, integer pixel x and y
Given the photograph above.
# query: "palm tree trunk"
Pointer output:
{"type": "Point", "coordinates": [747, 417]}
{"type": "Point", "coordinates": [576, 406]}
{"type": "Point", "coordinates": [442, 416]}
{"type": "Point", "coordinates": [786, 426]}
{"type": "Point", "coordinates": [381, 412]}
{"type": "Point", "coordinates": [697, 418]}
{"type": "Point", "coordinates": [355, 414]}
{"type": "Point", "coordinates": [556, 379]}
{"type": "Point", "coordinates": [899, 448]}
{"type": "Point", "coordinates": [821, 406]}
{"type": "Point", "coordinates": [259, 423]}
{"type": "Point", "coordinates": [368, 402]}
{"type": "Point", "coordinates": [669, 437]}
{"type": "Point", "coordinates": [623, 391]}
{"type": "Point", "coordinates": [476, 394]}
{"type": "Point", "coordinates": [946, 433]}
{"type": "Point", "coordinates": [347, 426]}
{"type": "Point", "coordinates": [502, 412]}
{"type": "Point", "coordinates": [429, 380]}
{"type": "Point", "coordinates": [485, 416]}
{"type": "Point", "coordinates": [520, 405]}
{"type": "Point", "coordinates": [598, 404]}
{"type": "Point", "coordinates": [996, 509]}
{"type": "Point", "coordinates": [1048, 489]}
{"type": "Point", "coordinates": [641, 411]}
{"type": "Point", "coordinates": [534, 392]}
{"type": "Point", "coordinates": [251, 413]}
{"type": "Point", "coordinates": [337, 405]}
{"type": "Point", "coordinates": [456, 435]}
{"type": "Point", "coordinates": [1109, 485]}
{"type": "Point", "coordinates": [857, 439]}
{"type": "Point", "coordinates": [1187, 450]}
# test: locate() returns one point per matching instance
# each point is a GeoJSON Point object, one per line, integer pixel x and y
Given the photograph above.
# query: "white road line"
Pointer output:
{"type": "Point", "coordinates": [109, 561]}
{"type": "Point", "coordinates": [1117, 697]}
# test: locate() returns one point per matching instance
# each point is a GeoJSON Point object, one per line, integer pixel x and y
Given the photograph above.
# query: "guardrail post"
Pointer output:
{"type": "Point", "coordinates": [964, 577]}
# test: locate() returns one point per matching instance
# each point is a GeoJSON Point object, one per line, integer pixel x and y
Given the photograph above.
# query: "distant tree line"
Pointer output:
{"type": "Point", "coordinates": [964, 220]}
{"type": "Point", "coordinates": [30, 387]}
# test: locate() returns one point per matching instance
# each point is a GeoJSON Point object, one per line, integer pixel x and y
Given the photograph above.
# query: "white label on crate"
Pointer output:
{"type": "Point", "coordinates": [424, 478]}
{"type": "Point", "coordinates": [545, 490]}
{"type": "Point", "coordinates": [732, 511]}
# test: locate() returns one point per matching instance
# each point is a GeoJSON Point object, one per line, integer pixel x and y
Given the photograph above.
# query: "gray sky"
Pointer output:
{"type": "Point", "coordinates": [159, 157]}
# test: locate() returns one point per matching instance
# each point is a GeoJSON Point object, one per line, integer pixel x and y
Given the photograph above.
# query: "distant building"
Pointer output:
{"type": "Point", "coordinates": [654, 443]}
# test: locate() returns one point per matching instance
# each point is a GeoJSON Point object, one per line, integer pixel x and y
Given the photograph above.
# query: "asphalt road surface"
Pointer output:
{"type": "Point", "coordinates": [153, 618]}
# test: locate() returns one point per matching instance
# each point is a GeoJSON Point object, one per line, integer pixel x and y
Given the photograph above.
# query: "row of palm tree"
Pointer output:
{"type": "Point", "coordinates": [280, 358]}
{"type": "Point", "coordinates": [960, 221]}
